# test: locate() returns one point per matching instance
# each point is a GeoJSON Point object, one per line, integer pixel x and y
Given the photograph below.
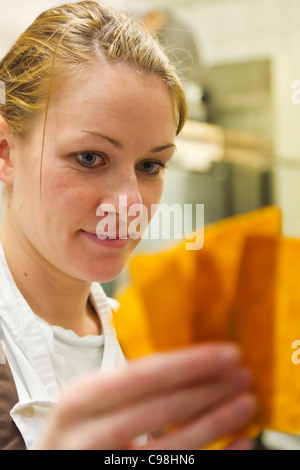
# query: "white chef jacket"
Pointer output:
{"type": "Point", "coordinates": [27, 344]}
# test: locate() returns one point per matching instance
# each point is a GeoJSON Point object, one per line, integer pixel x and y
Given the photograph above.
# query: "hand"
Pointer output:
{"type": "Point", "coordinates": [202, 392]}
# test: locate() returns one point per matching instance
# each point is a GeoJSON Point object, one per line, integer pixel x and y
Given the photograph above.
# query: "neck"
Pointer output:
{"type": "Point", "coordinates": [51, 294]}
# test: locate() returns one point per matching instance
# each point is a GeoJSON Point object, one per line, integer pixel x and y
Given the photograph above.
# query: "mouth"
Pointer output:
{"type": "Point", "coordinates": [110, 241]}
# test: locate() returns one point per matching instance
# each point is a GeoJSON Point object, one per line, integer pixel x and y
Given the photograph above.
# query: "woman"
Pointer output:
{"type": "Point", "coordinates": [91, 112]}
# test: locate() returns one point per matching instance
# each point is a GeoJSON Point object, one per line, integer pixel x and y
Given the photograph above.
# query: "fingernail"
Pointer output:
{"type": "Point", "coordinates": [229, 353]}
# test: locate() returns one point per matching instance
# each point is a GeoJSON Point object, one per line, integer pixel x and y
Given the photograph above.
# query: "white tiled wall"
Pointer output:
{"type": "Point", "coordinates": [241, 30]}
{"type": "Point", "coordinates": [231, 30]}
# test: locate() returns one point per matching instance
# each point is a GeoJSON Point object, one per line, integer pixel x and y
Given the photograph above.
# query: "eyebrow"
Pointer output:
{"type": "Point", "coordinates": [116, 143]}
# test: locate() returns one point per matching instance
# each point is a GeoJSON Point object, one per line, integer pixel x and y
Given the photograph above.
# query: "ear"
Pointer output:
{"type": "Point", "coordinates": [6, 147]}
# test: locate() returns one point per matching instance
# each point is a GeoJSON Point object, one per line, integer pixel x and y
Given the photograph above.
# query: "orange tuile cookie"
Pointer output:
{"type": "Point", "coordinates": [242, 286]}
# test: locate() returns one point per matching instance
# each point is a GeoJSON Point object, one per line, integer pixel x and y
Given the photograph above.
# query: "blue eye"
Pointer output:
{"type": "Point", "coordinates": [89, 159]}
{"type": "Point", "coordinates": [152, 168]}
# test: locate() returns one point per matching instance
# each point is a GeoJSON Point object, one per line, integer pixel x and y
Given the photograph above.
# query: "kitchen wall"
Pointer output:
{"type": "Point", "coordinates": [234, 31]}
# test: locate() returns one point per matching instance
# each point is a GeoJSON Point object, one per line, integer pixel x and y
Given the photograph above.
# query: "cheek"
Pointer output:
{"type": "Point", "coordinates": [151, 195]}
{"type": "Point", "coordinates": [151, 201]}
{"type": "Point", "coordinates": [26, 182]}
{"type": "Point", "coordinates": [67, 196]}
{"type": "Point", "coordinates": [57, 182]}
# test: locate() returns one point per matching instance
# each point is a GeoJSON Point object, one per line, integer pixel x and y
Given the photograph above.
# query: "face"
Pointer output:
{"type": "Point", "coordinates": [110, 132]}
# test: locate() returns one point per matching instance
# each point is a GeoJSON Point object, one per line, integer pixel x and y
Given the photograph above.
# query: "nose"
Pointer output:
{"type": "Point", "coordinates": [124, 186]}
{"type": "Point", "coordinates": [123, 197]}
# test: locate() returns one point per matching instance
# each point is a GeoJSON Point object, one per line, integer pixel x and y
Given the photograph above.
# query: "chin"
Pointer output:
{"type": "Point", "coordinates": [101, 275]}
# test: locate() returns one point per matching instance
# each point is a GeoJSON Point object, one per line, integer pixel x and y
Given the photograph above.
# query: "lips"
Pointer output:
{"type": "Point", "coordinates": [106, 241]}
{"type": "Point", "coordinates": [110, 236]}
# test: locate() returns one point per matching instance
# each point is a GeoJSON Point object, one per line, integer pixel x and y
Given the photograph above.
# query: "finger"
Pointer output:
{"type": "Point", "coordinates": [115, 430]}
{"type": "Point", "coordinates": [99, 392]}
{"type": "Point", "coordinates": [229, 418]}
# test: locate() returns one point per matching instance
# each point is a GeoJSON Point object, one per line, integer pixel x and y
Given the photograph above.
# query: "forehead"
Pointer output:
{"type": "Point", "coordinates": [112, 94]}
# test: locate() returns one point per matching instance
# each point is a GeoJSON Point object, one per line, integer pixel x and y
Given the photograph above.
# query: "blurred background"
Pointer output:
{"type": "Point", "coordinates": [240, 61]}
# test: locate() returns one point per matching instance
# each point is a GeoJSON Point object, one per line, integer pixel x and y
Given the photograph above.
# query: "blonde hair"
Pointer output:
{"type": "Point", "coordinates": [70, 37]}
